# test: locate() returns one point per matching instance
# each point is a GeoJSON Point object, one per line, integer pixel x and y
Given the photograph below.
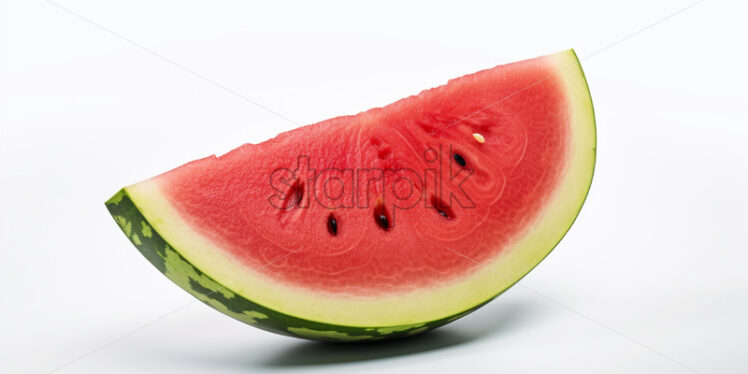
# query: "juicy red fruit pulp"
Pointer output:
{"type": "Point", "coordinates": [384, 201]}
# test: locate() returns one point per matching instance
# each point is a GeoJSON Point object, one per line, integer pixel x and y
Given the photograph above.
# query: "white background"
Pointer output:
{"type": "Point", "coordinates": [651, 279]}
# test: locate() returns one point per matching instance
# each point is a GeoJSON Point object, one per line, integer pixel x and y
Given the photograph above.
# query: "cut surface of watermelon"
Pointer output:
{"type": "Point", "coordinates": [383, 224]}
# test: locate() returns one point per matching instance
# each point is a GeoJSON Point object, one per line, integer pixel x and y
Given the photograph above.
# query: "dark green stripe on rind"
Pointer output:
{"type": "Point", "coordinates": [168, 261]}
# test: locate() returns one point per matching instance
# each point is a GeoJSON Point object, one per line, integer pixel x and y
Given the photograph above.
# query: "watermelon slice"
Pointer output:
{"type": "Point", "coordinates": [384, 224]}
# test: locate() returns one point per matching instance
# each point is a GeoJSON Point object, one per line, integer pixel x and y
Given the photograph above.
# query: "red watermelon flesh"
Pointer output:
{"type": "Point", "coordinates": [418, 195]}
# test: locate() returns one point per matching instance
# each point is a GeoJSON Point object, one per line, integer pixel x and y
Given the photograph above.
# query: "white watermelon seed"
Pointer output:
{"type": "Point", "coordinates": [479, 138]}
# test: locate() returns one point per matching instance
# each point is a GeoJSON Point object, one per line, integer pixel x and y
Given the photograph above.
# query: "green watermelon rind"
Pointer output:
{"type": "Point", "coordinates": [200, 285]}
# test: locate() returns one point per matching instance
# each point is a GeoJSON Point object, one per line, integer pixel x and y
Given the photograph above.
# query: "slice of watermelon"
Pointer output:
{"type": "Point", "coordinates": [383, 224]}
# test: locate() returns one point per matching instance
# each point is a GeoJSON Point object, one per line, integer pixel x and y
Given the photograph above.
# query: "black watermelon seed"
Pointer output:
{"type": "Point", "coordinates": [381, 217]}
{"type": "Point", "coordinates": [332, 225]}
{"type": "Point", "coordinates": [459, 160]}
{"type": "Point", "coordinates": [299, 194]}
{"type": "Point", "coordinates": [383, 222]}
{"type": "Point", "coordinates": [442, 208]}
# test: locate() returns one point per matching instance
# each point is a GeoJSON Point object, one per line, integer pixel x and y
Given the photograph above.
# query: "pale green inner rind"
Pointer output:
{"type": "Point", "coordinates": [335, 314]}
